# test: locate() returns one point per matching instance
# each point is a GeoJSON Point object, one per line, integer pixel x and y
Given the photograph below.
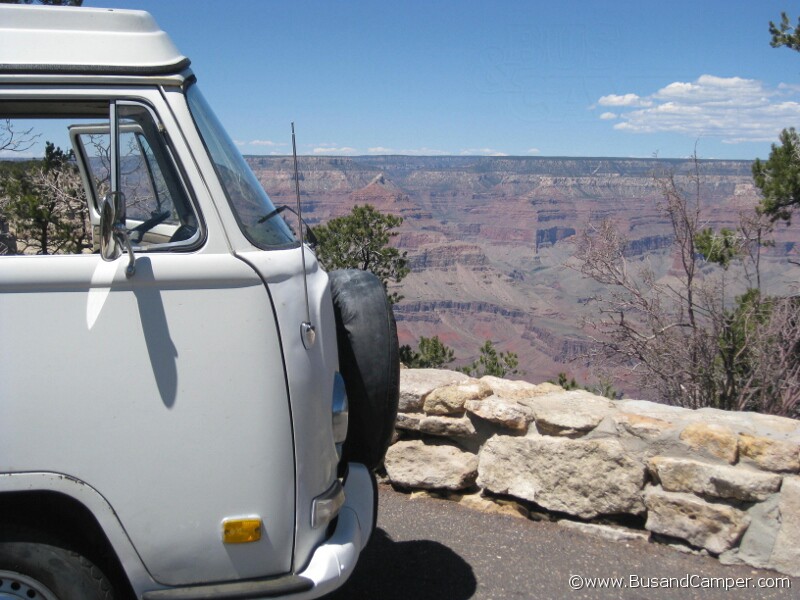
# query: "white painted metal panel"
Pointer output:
{"type": "Point", "coordinates": [164, 392]}
{"type": "Point", "coordinates": [310, 396]}
{"type": "Point", "coordinates": [51, 36]}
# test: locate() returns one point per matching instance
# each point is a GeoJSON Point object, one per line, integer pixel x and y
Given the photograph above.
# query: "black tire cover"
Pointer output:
{"type": "Point", "coordinates": [369, 361]}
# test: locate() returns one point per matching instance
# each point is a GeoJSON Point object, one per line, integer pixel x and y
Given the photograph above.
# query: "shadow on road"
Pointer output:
{"type": "Point", "coordinates": [421, 570]}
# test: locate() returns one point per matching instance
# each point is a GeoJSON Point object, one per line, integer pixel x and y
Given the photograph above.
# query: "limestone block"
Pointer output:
{"type": "Point", "coordinates": [770, 454]}
{"type": "Point", "coordinates": [716, 440]}
{"type": "Point", "coordinates": [450, 399]}
{"type": "Point", "coordinates": [718, 481]}
{"type": "Point", "coordinates": [584, 478]}
{"type": "Point", "coordinates": [517, 390]}
{"type": "Point", "coordinates": [568, 414]}
{"type": "Point", "coordinates": [408, 421]}
{"type": "Point", "coordinates": [786, 552]}
{"type": "Point", "coordinates": [414, 464]}
{"type": "Point", "coordinates": [415, 384]}
{"type": "Point", "coordinates": [447, 426]}
{"type": "Point", "coordinates": [497, 507]}
{"type": "Point", "coordinates": [640, 426]}
{"type": "Point", "coordinates": [715, 527]}
{"type": "Point", "coordinates": [502, 412]}
{"type": "Point", "coordinates": [607, 532]}
{"type": "Point", "coordinates": [656, 410]}
{"type": "Point", "coordinates": [749, 422]}
{"type": "Point", "coordinates": [755, 547]}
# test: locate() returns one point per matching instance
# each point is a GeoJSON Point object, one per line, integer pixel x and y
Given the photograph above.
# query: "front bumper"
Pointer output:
{"type": "Point", "coordinates": [333, 562]}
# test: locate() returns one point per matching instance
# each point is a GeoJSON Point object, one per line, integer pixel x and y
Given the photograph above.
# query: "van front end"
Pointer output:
{"type": "Point", "coordinates": [192, 407]}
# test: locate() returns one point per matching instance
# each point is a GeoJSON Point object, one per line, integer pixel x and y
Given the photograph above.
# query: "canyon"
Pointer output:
{"type": "Point", "coordinates": [490, 240]}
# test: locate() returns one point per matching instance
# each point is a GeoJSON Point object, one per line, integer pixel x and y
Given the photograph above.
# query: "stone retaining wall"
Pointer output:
{"type": "Point", "coordinates": [726, 482]}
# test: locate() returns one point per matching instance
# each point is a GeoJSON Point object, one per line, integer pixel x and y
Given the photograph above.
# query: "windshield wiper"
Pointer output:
{"type": "Point", "coordinates": [312, 239]}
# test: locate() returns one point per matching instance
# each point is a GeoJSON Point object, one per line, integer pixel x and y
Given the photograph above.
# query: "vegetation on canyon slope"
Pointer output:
{"type": "Point", "coordinates": [708, 334]}
{"type": "Point", "coordinates": [360, 240]}
{"type": "Point", "coordinates": [779, 177]}
{"type": "Point", "coordinates": [45, 201]}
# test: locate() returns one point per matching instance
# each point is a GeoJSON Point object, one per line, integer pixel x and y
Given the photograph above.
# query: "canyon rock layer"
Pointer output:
{"type": "Point", "coordinates": [489, 239]}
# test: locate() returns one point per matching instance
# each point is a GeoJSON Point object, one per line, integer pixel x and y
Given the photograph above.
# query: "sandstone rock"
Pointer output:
{"type": "Point", "coordinates": [415, 384]}
{"type": "Point", "coordinates": [716, 440]}
{"type": "Point", "coordinates": [447, 426]}
{"type": "Point", "coordinates": [502, 412]}
{"type": "Point", "coordinates": [655, 410]}
{"type": "Point", "coordinates": [718, 481]}
{"type": "Point", "coordinates": [749, 422]}
{"type": "Point", "coordinates": [646, 428]}
{"type": "Point", "coordinates": [478, 502]}
{"type": "Point", "coordinates": [428, 494]}
{"type": "Point", "coordinates": [715, 527]}
{"type": "Point", "coordinates": [414, 464]}
{"type": "Point", "coordinates": [568, 414]}
{"type": "Point", "coordinates": [770, 454]}
{"type": "Point", "coordinates": [450, 399]}
{"type": "Point", "coordinates": [786, 552]}
{"type": "Point", "coordinates": [517, 390]}
{"type": "Point", "coordinates": [615, 534]}
{"type": "Point", "coordinates": [755, 547]}
{"type": "Point", "coordinates": [408, 421]}
{"type": "Point", "coordinates": [585, 478]}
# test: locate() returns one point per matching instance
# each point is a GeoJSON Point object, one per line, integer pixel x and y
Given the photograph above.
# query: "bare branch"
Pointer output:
{"type": "Point", "coordinates": [12, 140]}
{"type": "Point", "coordinates": [692, 340]}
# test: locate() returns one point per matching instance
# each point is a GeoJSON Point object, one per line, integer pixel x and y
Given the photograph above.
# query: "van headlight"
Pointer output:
{"type": "Point", "coordinates": [340, 410]}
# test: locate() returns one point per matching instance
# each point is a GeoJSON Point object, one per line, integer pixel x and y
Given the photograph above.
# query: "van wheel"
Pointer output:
{"type": "Point", "coordinates": [369, 360]}
{"type": "Point", "coordinates": [47, 572]}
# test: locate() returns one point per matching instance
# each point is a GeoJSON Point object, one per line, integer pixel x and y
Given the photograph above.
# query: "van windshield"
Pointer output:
{"type": "Point", "coordinates": [253, 209]}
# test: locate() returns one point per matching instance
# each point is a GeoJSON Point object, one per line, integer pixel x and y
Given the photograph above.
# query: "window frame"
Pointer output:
{"type": "Point", "coordinates": [43, 106]}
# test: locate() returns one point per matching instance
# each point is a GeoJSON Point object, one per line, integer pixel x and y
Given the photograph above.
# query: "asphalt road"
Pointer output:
{"type": "Point", "coordinates": [426, 549]}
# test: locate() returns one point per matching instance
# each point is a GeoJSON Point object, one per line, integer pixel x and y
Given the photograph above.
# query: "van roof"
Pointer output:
{"type": "Point", "coordinates": [71, 40]}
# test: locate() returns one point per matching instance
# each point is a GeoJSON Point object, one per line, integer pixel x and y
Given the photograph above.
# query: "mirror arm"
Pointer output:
{"type": "Point", "coordinates": [113, 233]}
{"type": "Point", "coordinates": [122, 236]}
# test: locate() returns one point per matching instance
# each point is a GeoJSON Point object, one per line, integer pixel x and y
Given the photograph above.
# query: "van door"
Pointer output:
{"type": "Point", "coordinates": [163, 391]}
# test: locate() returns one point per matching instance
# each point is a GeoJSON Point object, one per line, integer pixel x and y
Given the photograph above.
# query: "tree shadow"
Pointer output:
{"type": "Point", "coordinates": [421, 569]}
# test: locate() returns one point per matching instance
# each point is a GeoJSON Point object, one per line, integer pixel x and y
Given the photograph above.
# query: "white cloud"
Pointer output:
{"type": "Point", "coordinates": [424, 151]}
{"type": "Point", "coordinates": [625, 100]}
{"type": "Point", "coordinates": [790, 87]}
{"type": "Point", "coordinates": [334, 150]}
{"type": "Point", "coordinates": [534, 151]}
{"type": "Point", "coordinates": [268, 143]}
{"type": "Point", "coordinates": [482, 152]}
{"type": "Point", "coordinates": [733, 108]}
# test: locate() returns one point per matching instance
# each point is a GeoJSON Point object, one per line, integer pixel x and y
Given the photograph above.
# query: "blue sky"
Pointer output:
{"type": "Point", "coordinates": [566, 78]}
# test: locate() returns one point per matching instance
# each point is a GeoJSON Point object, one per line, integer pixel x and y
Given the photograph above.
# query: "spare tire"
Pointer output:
{"type": "Point", "coordinates": [369, 361]}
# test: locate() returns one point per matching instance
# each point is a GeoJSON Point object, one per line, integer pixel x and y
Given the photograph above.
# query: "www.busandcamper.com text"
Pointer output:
{"type": "Point", "coordinates": [579, 582]}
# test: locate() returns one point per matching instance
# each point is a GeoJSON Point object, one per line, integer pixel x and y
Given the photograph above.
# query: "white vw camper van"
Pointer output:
{"type": "Point", "coordinates": [190, 407]}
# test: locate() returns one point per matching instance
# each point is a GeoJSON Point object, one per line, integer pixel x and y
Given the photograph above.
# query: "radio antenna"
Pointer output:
{"type": "Point", "coordinates": [307, 331]}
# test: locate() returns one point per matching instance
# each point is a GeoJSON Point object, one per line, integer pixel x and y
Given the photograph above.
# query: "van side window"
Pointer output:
{"type": "Point", "coordinates": [55, 169]}
{"type": "Point", "coordinates": [44, 207]}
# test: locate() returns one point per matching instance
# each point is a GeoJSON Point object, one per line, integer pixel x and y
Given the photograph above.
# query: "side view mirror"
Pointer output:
{"type": "Point", "coordinates": [113, 234]}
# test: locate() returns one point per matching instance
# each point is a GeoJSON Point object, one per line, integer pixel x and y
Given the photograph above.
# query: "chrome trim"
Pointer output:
{"type": "Point", "coordinates": [326, 506]}
{"type": "Point", "coordinates": [341, 412]}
